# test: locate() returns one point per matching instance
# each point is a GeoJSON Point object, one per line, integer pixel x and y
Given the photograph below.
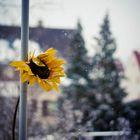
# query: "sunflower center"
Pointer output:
{"type": "Point", "coordinates": [42, 71]}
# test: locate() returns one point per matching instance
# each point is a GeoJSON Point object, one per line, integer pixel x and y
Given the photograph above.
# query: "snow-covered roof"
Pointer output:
{"type": "Point", "coordinates": [137, 56]}
{"type": "Point", "coordinates": [45, 37]}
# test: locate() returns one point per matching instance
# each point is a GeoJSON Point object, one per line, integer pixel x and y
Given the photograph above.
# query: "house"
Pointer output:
{"type": "Point", "coordinates": [41, 104]}
{"type": "Point", "coordinates": [132, 74]}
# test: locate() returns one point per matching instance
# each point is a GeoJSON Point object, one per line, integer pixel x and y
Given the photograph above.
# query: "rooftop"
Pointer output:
{"type": "Point", "coordinates": [137, 55]}
{"type": "Point", "coordinates": [45, 37]}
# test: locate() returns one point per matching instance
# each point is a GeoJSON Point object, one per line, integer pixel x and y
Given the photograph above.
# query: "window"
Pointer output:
{"type": "Point", "coordinates": [33, 105]}
{"type": "Point", "coordinates": [44, 108]}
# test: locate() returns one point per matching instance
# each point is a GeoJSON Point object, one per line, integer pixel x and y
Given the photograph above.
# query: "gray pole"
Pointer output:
{"type": "Point", "coordinates": [23, 86]}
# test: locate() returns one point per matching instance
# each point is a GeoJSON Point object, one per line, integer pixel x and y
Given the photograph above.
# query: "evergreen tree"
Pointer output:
{"type": "Point", "coordinates": [108, 94]}
{"type": "Point", "coordinates": [78, 68]}
{"type": "Point", "coordinates": [74, 100]}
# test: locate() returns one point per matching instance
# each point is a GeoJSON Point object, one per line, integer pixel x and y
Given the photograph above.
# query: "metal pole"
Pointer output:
{"type": "Point", "coordinates": [23, 86]}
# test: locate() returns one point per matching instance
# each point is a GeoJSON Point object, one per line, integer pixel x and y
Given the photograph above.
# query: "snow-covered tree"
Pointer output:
{"type": "Point", "coordinates": [78, 67]}
{"type": "Point", "coordinates": [74, 100]}
{"type": "Point", "coordinates": [108, 93]}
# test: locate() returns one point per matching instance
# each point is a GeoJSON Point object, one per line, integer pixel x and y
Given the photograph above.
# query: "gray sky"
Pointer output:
{"type": "Point", "coordinates": [124, 18]}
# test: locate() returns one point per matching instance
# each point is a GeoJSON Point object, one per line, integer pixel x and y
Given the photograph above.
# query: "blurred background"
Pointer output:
{"type": "Point", "coordinates": [99, 39]}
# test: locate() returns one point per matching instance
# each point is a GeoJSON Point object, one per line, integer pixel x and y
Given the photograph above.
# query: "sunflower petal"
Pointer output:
{"type": "Point", "coordinates": [45, 85]}
{"type": "Point", "coordinates": [17, 63]}
{"type": "Point", "coordinates": [57, 80]}
{"type": "Point", "coordinates": [24, 76]}
{"type": "Point", "coordinates": [57, 69]}
{"type": "Point", "coordinates": [54, 79]}
{"type": "Point", "coordinates": [51, 51]}
{"type": "Point", "coordinates": [56, 63]}
{"type": "Point", "coordinates": [41, 56]}
{"type": "Point", "coordinates": [55, 86]}
{"type": "Point", "coordinates": [49, 59]}
{"type": "Point", "coordinates": [32, 80]}
{"type": "Point", "coordinates": [59, 75]}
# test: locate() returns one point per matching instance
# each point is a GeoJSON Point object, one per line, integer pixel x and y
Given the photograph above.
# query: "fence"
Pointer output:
{"type": "Point", "coordinates": [84, 135]}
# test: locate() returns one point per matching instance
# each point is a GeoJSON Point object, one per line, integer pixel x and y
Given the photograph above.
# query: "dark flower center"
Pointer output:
{"type": "Point", "coordinates": [42, 71]}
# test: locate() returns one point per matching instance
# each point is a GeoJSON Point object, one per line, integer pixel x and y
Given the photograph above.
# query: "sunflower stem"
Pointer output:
{"type": "Point", "coordinates": [14, 120]}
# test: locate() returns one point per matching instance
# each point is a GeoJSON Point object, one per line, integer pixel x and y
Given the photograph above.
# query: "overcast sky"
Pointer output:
{"type": "Point", "coordinates": [124, 18]}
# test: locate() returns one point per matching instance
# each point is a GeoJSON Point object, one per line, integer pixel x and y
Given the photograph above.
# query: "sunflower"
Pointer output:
{"type": "Point", "coordinates": [45, 69]}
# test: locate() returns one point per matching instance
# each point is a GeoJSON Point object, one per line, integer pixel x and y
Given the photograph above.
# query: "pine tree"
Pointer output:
{"type": "Point", "coordinates": [78, 67]}
{"type": "Point", "coordinates": [78, 64]}
{"type": "Point", "coordinates": [74, 100]}
{"type": "Point", "coordinates": [108, 94]}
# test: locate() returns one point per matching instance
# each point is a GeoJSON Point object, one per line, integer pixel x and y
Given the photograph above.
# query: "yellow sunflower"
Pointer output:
{"type": "Point", "coordinates": [45, 69]}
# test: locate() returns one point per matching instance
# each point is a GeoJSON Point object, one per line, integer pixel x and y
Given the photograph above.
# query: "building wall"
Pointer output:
{"type": "Point", "coordinates": [41, 105]}
{"type": "Point", "coordinates": [132, 80]}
